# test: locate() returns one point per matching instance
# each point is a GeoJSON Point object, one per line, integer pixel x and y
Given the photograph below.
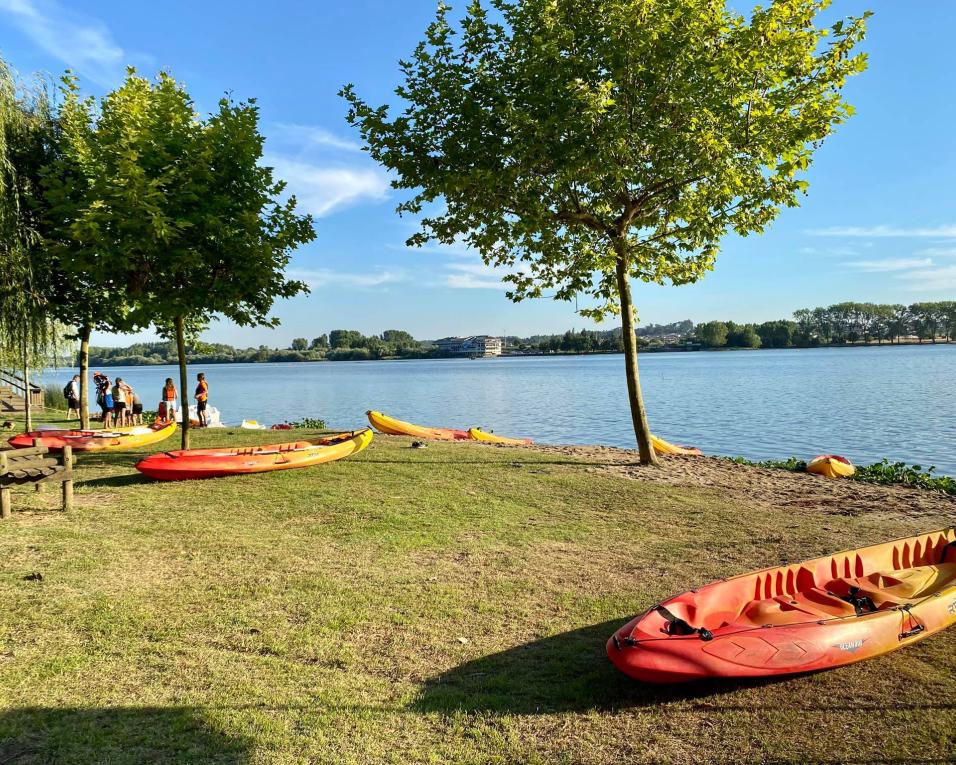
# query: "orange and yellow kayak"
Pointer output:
{"type": "Point", "coordinates": [831, 466]}
{"type": "Point", "coordinates": [477, 434]}
{"type": "Point", "coordinates": [393, 427]}
{"type": "Point", "coordinates": [216, 463]}
{"type": "Point", "coordinates": [803, 617]}
{"type": "Point", "coordinates": [97, 440]}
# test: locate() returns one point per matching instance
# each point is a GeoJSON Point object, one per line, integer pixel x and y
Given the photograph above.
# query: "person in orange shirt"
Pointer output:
{"type": "Point", "coordinates": [202, 396]}
{"type": "Point", "coordinates": [168, 401]}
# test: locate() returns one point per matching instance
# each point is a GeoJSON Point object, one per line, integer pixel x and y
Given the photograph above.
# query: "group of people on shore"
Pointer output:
{"type": "Point", "coordinates": [121, 406]}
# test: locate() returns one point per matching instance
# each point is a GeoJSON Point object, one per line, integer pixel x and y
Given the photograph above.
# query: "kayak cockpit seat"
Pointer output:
{"type": "Point", "coordinates": [809, 605]}
{"type": "Point", "coordinates": [888, 589]}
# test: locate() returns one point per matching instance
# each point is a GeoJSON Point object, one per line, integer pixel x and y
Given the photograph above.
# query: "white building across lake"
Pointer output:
{"type": "Point", "coordinates": [476, 345]}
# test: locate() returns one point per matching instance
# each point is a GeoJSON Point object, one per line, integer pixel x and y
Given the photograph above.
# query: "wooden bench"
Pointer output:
{"type": "Point", "coordinates": [33, 466]}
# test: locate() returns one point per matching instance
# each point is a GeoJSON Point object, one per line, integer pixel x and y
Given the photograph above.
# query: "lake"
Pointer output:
{"type": "Point", "coordinates": [865, 403]}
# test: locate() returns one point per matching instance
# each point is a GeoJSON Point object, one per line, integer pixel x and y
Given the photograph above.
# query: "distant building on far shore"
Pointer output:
{"type": "Point", "coordinates": [476, 345]}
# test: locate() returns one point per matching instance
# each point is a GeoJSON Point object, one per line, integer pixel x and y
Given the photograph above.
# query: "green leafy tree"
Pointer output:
{"type": "Point", "coordinates": [712, 334]}
{"type": "Point", "coordinates": [300, 344]}
{"type": "Point", "coordinates": [742, 336]}
{"type": "Point", "coordinates": [93, 278]}
{"type": "Point", "coordinates": [320, 343]}
{"type": "Point", "coordinates": [584, 143]}
{"type": "Point", "coordinates": [199, 218]}
{"type": "Point", "coordinates": [777, 334]}
{"type": "Point", "coordinates": [29, 333]}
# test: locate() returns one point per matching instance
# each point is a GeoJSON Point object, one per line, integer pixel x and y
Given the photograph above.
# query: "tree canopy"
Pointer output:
{"type": "Point", "coordinates": [581, 143]}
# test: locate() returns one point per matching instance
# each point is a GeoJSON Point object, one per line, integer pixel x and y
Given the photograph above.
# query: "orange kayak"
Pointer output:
{"type": "Point", "coordinates": [97, 440]}
{"type": "Point", "coordinates": [216, 463]}
{"type": "Point", "coordinates": [393, 427]}
{"type": "Point", "coordinates": [803, 617]}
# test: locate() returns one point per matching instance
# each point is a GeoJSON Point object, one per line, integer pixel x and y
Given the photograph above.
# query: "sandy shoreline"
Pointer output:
{"type": "Point", "coordinates": [780, 489]}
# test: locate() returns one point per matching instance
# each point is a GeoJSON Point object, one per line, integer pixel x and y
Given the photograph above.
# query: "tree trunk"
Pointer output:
{"type": "Point", "coordinates": [27, 408]}
{"type": "Point", "coordinates": [635, 397]}
{"type": "Point", "coordinates": [84, 375]}
{"type": "Point", "coordinates": [183, 381]}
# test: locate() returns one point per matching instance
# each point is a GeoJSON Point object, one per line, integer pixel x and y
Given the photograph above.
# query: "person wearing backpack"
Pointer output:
{"type": "Point", "coordinates": [71, 392]}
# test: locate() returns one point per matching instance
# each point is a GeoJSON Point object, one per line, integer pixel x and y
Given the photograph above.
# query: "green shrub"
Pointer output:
{"type": "Point", "coordinates": [887, 472]}
{"type": "Point", "coordinates": [53, 397]}
{"type": "Point", "coordinates": [309, 423]}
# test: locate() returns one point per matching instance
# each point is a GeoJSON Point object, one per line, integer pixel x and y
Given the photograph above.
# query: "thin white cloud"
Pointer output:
{"type": "Point", "coordinates": [883, 231]}
{"type": "Point", "coordinates": [476, 276]}
{"type": "Point", "coordinates": [307, 137]}
{"type": "Point", "coordinates": [82, 43]}
{"type": "Point", "coordinates": [890, 264]}
{"type": "Point", "coordinates": [841, 252]}
{"type": "Point", "coordinates": [939, 252]}
{"type": "Point", "coordinates": [322, 190]}
{"type": "Point", "coordinates": [323, 277]}
{"type": "Point", "coordinates": [931, 279]}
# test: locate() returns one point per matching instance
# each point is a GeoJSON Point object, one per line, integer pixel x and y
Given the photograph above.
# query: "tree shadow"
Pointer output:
{"type": "Point", "coordinates": [117, 735]}
{"type": "Point", "coordinates": [113, 481]}
{"type": "Point", "coordinates": [569, 672]}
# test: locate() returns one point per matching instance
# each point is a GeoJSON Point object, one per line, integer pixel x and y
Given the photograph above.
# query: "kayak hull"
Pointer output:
{"type": "Point", "coordinates": [831, 466]}
{"type": "Point", "coordinates": [97, 440]}
{"type": "Point", "coordinates": [476, 434]}
{"type": "Point", "coordinates": [394, 427]}
{"type": "Point", "coordinates": [797, 618]}
{"type": "Point", "coordinates": [218, 463]}
{"type": "Point", "coordinates": [665, 447]}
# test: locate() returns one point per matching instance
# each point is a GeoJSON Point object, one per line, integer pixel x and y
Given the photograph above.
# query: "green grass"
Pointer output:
{"type": "Point", "coordinates": [449, 604]}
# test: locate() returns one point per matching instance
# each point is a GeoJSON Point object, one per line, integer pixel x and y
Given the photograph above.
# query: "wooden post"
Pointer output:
{"type": "Point", "coordinates": [67, 458]}
{"type": "Point", "coordinates": [4, 492]}
{"type": "Point", "coordinates": [37, 487]}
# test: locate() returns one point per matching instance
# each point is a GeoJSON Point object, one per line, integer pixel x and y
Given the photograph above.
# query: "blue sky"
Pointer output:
{"type": "Point", "coordinates": [879, 223]}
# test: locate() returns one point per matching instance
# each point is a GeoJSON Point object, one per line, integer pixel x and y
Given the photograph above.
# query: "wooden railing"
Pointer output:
{"type": "Point", "coordinates": [14, 382]}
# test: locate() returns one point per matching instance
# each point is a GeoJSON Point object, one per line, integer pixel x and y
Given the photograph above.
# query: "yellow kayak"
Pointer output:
{"type": "Point", "coordinates": [664, 447]}
{"type": "Point", "coordinates": [478, 434]}
{"type": "Point", "coordinates": [831, 466]}
{"type": "Point", "coordinates": [98, 440]}
{"type": "Point", "coordinates": [393, 427]}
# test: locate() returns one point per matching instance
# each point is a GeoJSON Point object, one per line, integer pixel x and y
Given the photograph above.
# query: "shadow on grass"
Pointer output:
{"type": "Point", "coordinates": [116, 735]}
{"type": "Point", "coordinates": [113, 481]}
{"type": "Point", "coordinates": [569, 672]}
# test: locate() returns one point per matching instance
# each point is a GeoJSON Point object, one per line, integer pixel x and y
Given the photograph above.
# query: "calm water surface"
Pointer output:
{"type": "Point", "coordinates": [864, 403]}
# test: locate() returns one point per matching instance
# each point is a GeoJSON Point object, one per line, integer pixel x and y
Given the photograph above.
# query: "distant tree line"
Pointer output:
{"type": "Point", "coordinates": [835, 325]}
{"type": "Point", "coordinates": [337, 345]}
{"type": "Point", "coordinates": [838, 324]}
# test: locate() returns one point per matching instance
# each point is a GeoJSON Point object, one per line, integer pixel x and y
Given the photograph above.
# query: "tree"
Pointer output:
{"type": "Point", "coordinates": [320, 343]}
{"type": "Point", "coordinates": [776, 334]}
{"type": "Point", "coordinates": [90, 271]}
{"type": "Point", "coordinates": [582, 143]}
{"type": "Point", "coordinates": [300, 344]}
{"type": "Point", "coordinates": [712, 334]}
{"type": "Point", "coordinates": [197, 215]}
{"type": "Point", "coordinates": [742, 335]}
{"type": "Point", "coordinates": [28, 331]}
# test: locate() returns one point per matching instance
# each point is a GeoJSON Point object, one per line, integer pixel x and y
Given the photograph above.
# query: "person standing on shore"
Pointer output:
{"type": "Point", "coordinates": [104, 398]}
{"type": "Point", "coordinates": [202, 396]}
{"type": "Point", "coordinates": [121, 393]}
{"type": "Point", "coordinates": [168, 400]}
{"type": "Point", "coordinates": [72, 392]}
{"type": "Point", "coordinates": [136, 409]}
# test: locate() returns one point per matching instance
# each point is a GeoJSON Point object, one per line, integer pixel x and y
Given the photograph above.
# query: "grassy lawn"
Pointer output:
{"type": "Point", "coordinates": [449, 604]}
